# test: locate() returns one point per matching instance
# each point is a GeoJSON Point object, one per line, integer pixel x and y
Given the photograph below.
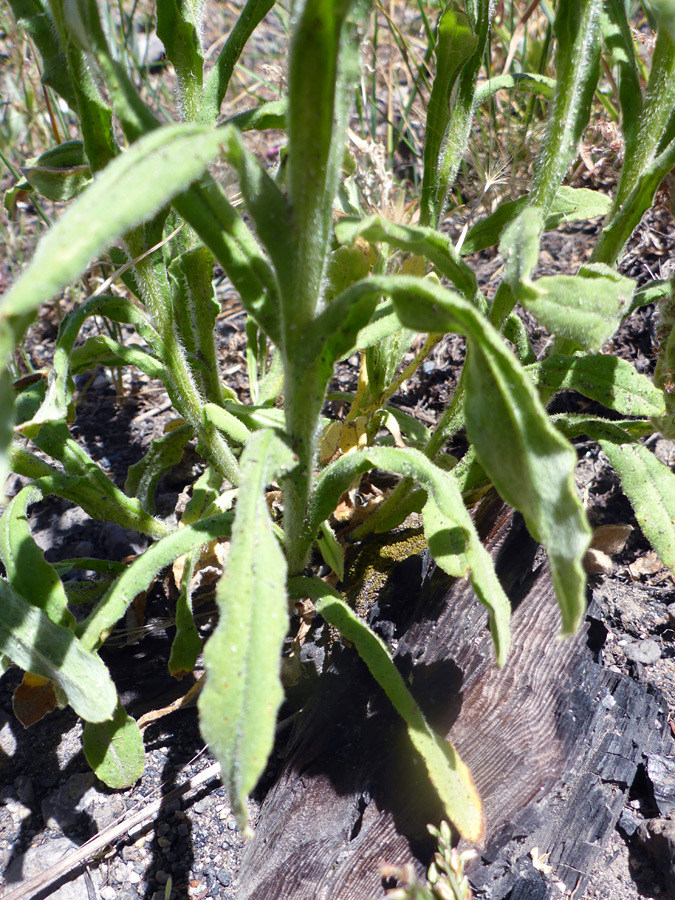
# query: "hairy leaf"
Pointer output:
{"type": "Point", "coordinates": [36, 644]}
{"type": "Point", "coordinates": [569, 205]}
{"type": "Point", "coordinates": [141, 180]}
{"type": "Point", "coordinates": [612, 381]}
{"type": "Point", "coordinates": [528, 461]}
{"type": "Point", "coordinates": [114, 750]}
{"type": "Point", "coordinates": [239, 703]}
{"type": "Point", "coordinates": [140, 574]}
{"type": "Point", "coordinates": [60, 173]}
{"type": "Point", "coordinates": [585, 309]}
{"type": "Point", "coordinates": [428, 242]}
{"type": "Point", "coordinates": [164, 453]}
{"type": "Point", "coordinates": [650, 487]}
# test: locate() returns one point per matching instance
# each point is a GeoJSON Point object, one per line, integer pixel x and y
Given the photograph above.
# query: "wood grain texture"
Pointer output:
{"type": "Point", "coordinates": [552, 740]}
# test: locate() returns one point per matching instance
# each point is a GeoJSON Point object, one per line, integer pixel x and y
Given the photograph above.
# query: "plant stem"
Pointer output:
{"type": "Point", "coordinates": [577, 74]}
{"type": "Point", "coordinates": [302, 402]}
{"type": "Point", "coordinates": [654, 120]}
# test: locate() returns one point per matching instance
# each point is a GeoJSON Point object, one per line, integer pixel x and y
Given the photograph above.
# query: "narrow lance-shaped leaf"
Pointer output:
{"type": "Point", "coordinates": [60, 173]}
{"type": "Point", "coordinates": [164, 452]}
{"type": "Point", "coordinates": [59, 390]}
{"type": "Point", "coordinates": [612, 381]}
{"type": "Point", "coordinates": [584, 309]}
{"type": "Point", "coordinates": [428, 242]}
{"type": "Point", "coordinates": [650, 487]}
{"type": "Point", "coordinates": [179, 28]}
{"type": "Point", "coordinates": [6, 426]}
{"type": "Point", "coordinates": [220, 74]}
{"type": "Point", "coordinates": [568, 205]}
{"type": "Point", "coordinates": [243, 692]}
{"type": "Point", "coordinates": [577, 67]}
{"type": "Point", "coordinates": [528, 82]}
{"type": "Point", "coordinates": [206, 209]}
{"type": "Point", "coordinates": [455, 42]}
{"type": "Point", "coordinates": [323, 69]}
{"type": "Point", "coordinates": [141, 573]}
{"type": "Point", "coordinates": [34, 17]}
{"type": "Point", "coordinates": [36, 644]}
{"type": "Point", "coordinates": [187, 643]}
{"type": "Point", "coordinates": [269, 209]}
{"type": "Point", "coordinates": [141, 180]}
{"type": "Point", "coordinates": [618, 37]}
{"type": "Point", "coordinates": [447, 773]}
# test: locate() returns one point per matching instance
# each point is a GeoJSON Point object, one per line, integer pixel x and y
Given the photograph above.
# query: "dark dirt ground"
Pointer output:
{"type": "Point", "coordinates": [50, 801]}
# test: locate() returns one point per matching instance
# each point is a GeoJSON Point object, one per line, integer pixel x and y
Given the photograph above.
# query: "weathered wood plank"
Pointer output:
{"type": "Point", "coordinates": [552, 739]}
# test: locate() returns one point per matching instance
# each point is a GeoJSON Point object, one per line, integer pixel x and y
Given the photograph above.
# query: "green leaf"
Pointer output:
{"type": "Point", "coordinates": [652, 293]}
{"type": "Point", "coordinates": [206, 208]}
{"type": "Point", "coordinates": [26, 568]}
{"type": "Point", "coordinates": [60, 173]}
{"type": "Point", "coordinates": [85, 483]}
{"type": "Point", "coordinates": [35, 18]}
{"type": "Point", "coordinates": [59, 390]}
{"type": "Point", "coordinates": [569, 205]}
{"type": "Point", "coordinates": [38, 645]}
{"type": "Point", "coordinates": [102, 350]}
{"type": "Point", "coordinates": [141, 573]}
{"type": "Point", "coordinates": [597, 429]}
{"type": "Point", "coordinates": [618, 38]}
{"type": "Point", "coordinates": [447, 773]}
{"type": "Point", "coordinates": [612, 381]}
{"type": "Point", "coordinates": [449, 529]}
{"type": "Point", "coordinates": [219, 76]}
{"type": "Point", "coordinates": [187, 644]}
{"type": "Point", "coordinates": [164, 453]}
{"type": "Point", "coordinates": [324, 67]}
{"type": "Point", "coordinates": [141, 180]}
{"type": "Point", "coordinates": [455, 43]}
{"type": "Point", "coordinates": [260, 118]}
{"type": "Point", "coordinates": [576, 29]}
{"type": "Point", "coordinates": [205, 491]}
{"type": "Point", "coordinates": [230, 425]}
{"type": "Point", "coordinates": [428, 242]}
{"type": "Point", "coordinates": [114, 750]}
{"type": "Point", "coordinates": [243, 692]}
{"type": "Point", "coordinates": [650, 487]}
{"type": "Point", "coordinates": [519, 247]}
{"type": "Point", "coordinates": [179, 25]}
{"type": "Point", "coordinates": [6, 427]}
{"type": "Point", "coordinates": [529, 82]}
{"type": "Point", "coordinates": [332, 551]}
{"type": "Point", "coordinates": [585, 309]}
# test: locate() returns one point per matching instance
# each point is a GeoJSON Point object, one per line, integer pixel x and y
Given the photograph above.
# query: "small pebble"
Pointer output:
{"type": "Point", "coordinates": [646, 652]}
{"type": "Point", "coordinates": [224, 877]}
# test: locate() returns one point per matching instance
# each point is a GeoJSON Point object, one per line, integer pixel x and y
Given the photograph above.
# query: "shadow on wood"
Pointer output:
{"type": "Point", "coordinates": [553, 741]}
